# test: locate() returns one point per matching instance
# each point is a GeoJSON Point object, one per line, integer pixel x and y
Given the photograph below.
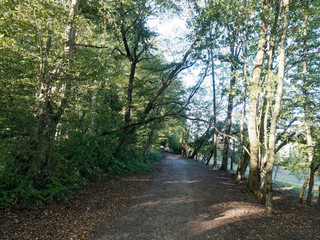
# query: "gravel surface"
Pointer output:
{"type": "Point", "coordinates": [181, 199]}
{"type": "Point", "coordinates": [186, 200]}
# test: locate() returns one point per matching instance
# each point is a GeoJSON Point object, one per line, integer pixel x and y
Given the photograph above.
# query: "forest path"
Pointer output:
{"type": "Point", "coordinates": [185, 200]}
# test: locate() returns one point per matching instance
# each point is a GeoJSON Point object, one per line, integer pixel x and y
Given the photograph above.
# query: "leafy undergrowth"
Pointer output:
{"type": "Point", "coordinates": [78, 161]}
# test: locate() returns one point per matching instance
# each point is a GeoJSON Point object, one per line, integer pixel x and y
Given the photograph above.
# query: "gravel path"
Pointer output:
{"type": "Point", "coordinates": [180, 200]}
{"type": "Point", "coordinates": [186, 200]}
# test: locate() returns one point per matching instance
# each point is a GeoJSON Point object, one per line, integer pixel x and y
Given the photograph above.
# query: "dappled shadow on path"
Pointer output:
{"type": "Point", "coordinates": [191, 201]}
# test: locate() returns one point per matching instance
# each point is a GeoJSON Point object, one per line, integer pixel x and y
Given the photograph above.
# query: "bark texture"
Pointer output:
{"type": "Point", "coordinates": [254, 174]}
{"type": "Point", "coordinates": [276, 111]}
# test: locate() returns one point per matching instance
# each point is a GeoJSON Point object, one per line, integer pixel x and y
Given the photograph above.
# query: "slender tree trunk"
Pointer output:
{"type": "Point", "coordinates": [48, 119]}
{"type": "Point", "coordinates": [276, 110]}
{"type": "Point", "coordinates": [303, 188]}
{"type": "Point", "coordinates": [214, 141]}
{"type": "Point", "coordinates": [306, 181]}
{"type": "Point", "coordinates": [254, 174]}
{"type": "Point", "coordinates": [215, 147]}
{"type": "Point", "coordinates": [224, 165]}
{"type": "Point", "coordinates": [233, 50]}
{"type": "Point", "coordinates": [311, 184]}
{"type": "Point", "coordinates": [267, 100]}
{"type": "Point", "coordinates": [241, 170]}
{"type": "Point", "coordinates": [149, 141]}
{"type": "Point", "coordinates": [318, 202]}
{"type": "Point", "coordinates": [43, 95]}
{"type": "Point", "coordinates": [310, 146]}
{"type": "Point", "coordinates": [93, 111]}
{"type": "Point", "coordinates": [205, 156]}
{"type": "Point", "coordinates": [210, 156]}
{"type": "Point", "coordinates": [127, 116]}
{"type": "Point", "coordinates": [243, 112]}
{"type": "Point", "coordinates": [233, 153]}
{"type": "Point", "coordinates": [197, 149]}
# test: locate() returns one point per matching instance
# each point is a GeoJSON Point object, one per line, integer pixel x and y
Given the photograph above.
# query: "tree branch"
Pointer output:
{"type": "Point", "coordinates": [221, 133]}
{"type": "Point", "coordinates": [285, 142]}
{"type": "Point", "coordinates": [89, 46]}
{"type": "Point", "coordinates": [285, 130]}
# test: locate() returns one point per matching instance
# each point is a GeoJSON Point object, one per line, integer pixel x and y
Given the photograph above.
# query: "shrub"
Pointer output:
{"type": "Point", "coordinates": [75, 161]}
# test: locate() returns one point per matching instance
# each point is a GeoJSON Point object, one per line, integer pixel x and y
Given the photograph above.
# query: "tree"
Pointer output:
{"type": "Point", "coordinates": [254, 173]}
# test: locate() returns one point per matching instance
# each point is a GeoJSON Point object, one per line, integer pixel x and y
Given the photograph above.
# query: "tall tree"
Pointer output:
{"type": "Point", "coordinates": [254, 173]}
{"type": "Point", "coordinates": [234, 52]}
{"type": "Point", "coordinates": [48, 116]}
{"type": "Point", "coordinates": [276, 110]}
{"type": "Point", "coordinates": [242, 164]}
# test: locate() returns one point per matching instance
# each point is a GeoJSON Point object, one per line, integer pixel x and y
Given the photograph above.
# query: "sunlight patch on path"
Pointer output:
{"type": "Point", "coordinates": [183, 181]}
{"type": "Point", "coordinates": [214, 219]}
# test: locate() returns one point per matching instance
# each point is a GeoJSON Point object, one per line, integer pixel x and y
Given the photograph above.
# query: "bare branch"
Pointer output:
{"type": "Point", "coordinates": [89, 46]}
{"type": "Point", "coordinates": [285, 142]}
{"type": "Point", "coordinates": [221, 133]}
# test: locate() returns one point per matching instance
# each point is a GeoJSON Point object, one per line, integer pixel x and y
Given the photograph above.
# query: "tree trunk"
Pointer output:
{"type": "Point", "coordinates": [254, 174]}
{"type": "Point", "coordinates": [243, 112]}
{"type": "Point", "coordinates": [310, 146]}
{"type": "Point", "coordinates": [303, 189]}
{"type": "Point", "coordinates": [196, 150]}
{"type": "Point", "coordinates": [311, 184]}
{"type": "Point", "coordinates": [93, 111]}
{"type": "Point", "coordinates": [224, 165]}
{"type": "Point", "coordinates": [276, 111]}
{"type": "Point", "coordinates": [127, 115]}
{"type": "Point", "coordinates": [233, 68]}
{"type": "Point", "coordinates": [149, 141]}
{"type": "Point", "coordinates": [214, 141]}
{"type": "Point", "coordinates": [215, 147]}
{"type": "Point", "coordinates": [150, 105]}
{"type": "Point", "coordinates": [305, 184]}
{"type": "Point", "coordinates": [233, 152]}
{"type": "Point", "coordinates": [318, 202]}
{"type": "Point", "coordinates": [242, 166]}
{"type": "Point", "coordinates": [268, 94]}
{"type": "Point", "coordinates": [48, 119]}
{"type": "Point", "coordinates": [210, 156]}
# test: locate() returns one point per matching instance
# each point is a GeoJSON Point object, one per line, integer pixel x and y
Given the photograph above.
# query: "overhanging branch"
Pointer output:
{"type": "Point", "coordinates": [221, 133]}
{"type": "Point", "coordinates": [89, 46]}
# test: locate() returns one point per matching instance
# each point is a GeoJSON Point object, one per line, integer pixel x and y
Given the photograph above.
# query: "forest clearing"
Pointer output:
{"type": "Point", "coordinates": [91, 92]}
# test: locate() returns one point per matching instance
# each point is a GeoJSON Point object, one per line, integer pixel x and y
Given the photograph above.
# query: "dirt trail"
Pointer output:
{"type": "Point", "coordinates": [179, 200]}
{"type": "Point", "coordinates": [190, 201]}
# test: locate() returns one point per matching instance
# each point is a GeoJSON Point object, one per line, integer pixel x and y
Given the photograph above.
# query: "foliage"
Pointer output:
{"type": "Point", "coordinates": [295, 163]}
{"type": "Point", "coordinates": [78, 160]}
{"type": "Point", "coordinates": [174, 142]}
{"type": "Point", "coordinates": [59, 94]}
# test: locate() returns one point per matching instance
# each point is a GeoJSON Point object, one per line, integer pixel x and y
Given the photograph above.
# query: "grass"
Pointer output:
{"type": "Point", "coordinates": [295, 188]}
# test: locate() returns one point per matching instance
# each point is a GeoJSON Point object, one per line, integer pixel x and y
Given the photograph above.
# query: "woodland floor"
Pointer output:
{"type": "Point", "coordinates": [179, 200]}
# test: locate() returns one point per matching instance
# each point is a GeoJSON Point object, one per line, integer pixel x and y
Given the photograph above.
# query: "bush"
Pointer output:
{"type": "Point", "coordinates": [75, 161]}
